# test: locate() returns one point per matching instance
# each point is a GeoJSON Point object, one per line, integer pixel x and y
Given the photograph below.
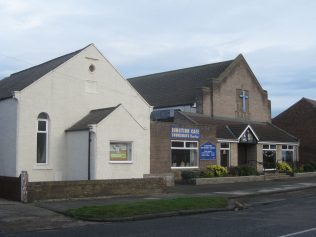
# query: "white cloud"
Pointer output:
{"type": "Point", "coordinates": [276, 37]}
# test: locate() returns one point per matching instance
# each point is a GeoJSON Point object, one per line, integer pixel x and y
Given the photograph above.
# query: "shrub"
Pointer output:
{"type": "Point", "coordinates": [244, 170]}
{"type": "Point", "coordinates": [206, 174]}
{"type": "Point", "coordinates": [284, 167]}
{"type": "Point", "coordinates": [313, 164]}
{"type": "Point", "coordinates": [308, 168]}
{"type": "Point", "coordinates": [189, 174]}
{"type": "Point", "coordinates": [217, 170]}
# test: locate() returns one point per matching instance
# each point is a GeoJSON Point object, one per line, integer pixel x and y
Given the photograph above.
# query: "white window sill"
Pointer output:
{"type": "Point", "coordinates": [42, 167]}
{"type": "Point", "coordinates": [185, 167]}
{"type": "Point", "coordinates": [121, 162]}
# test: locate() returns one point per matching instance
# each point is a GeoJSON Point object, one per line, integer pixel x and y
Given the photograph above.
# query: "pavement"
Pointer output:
{"type": "Point", "coordinates": [17, 217]}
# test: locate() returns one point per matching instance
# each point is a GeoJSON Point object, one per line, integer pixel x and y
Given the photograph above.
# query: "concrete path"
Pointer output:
{"type": "Point", "coordinates": [16, 217]}
{"type": "Point", "coordinates": [249, 188]}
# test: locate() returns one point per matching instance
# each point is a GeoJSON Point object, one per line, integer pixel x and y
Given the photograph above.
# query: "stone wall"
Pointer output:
{"type": "Point", "coordinates": [10, 188]}
{"type": "Point", "coordinates": [93, 188]}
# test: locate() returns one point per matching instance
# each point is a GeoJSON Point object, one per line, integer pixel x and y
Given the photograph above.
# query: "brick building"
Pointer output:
{"type": "Point", "coordinates": [212, 114]}
{"type": "Point", "coordinates": [300, 120]}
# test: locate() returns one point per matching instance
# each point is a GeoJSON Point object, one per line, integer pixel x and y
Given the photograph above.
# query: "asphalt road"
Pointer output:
{"type": "Point", "coordinates": [286, 214]}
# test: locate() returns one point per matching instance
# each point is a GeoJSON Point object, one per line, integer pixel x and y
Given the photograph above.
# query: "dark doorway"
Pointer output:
{"type": "Point", "coordinates": [247, 154]}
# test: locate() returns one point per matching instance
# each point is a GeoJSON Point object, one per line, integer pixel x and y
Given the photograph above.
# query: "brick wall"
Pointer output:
{"type": "Point", "coordinates": [160, 144]}
{"type": "Point", "coordinates": [10, 188]}
{"type": "Point", "coordinates": [225, 101]}
{"type": "Point", "coordinates": [300, 121]}
{"type": "Point", "coordinates": [93, 188]}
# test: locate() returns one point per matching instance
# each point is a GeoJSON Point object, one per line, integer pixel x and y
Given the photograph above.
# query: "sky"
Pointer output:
{"type": "Point", "coordinates": [276, 37]}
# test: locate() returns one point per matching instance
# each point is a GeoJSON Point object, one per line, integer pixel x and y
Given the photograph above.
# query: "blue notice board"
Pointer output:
{"type": "Point", "coordinates": [207, 151]}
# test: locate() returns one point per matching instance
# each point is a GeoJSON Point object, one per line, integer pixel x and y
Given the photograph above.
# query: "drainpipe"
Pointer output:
{"type": "Point", "coordinates": [212, 99]}
{"type": "Point", "coordinates": [89, 155]}
{"type": "Point", "coordinates": [92, 130]}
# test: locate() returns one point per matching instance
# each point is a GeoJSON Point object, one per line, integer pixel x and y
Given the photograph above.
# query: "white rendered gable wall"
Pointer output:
{"type": "Point", "coordinates": [63, 95]}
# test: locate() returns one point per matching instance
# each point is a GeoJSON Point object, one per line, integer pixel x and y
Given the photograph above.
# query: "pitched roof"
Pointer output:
{"type": "Point", "coordinates": [177, 87]}
{"type": "Point", "coordinates": [232, 129]}
{"type": "Point", "coordinates": [94, 117]}
{"type": "Point", "coordinates": [20, 80]}
{"type": "Point", "coordinates": [312, 102]}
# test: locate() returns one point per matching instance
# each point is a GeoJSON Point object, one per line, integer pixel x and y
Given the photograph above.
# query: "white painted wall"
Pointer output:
{"type": "Point", "coordinates": [77, 155]}
{"type": "Point", "coordinates": [120, 126]}
{"type": "Point", "coordinates": [63, 94]}
{"type": "Point", "coordinates": [8, 122]}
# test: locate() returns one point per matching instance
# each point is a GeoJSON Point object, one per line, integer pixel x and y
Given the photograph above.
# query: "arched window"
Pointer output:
{"type": "Point", "coordinates": [42, 138]}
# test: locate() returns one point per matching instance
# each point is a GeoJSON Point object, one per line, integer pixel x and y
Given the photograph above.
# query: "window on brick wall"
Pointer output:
{"type": "Point", "coordinates": [269, 156]}
{"type": "Point", "coordinates": [184, 154]}
{"type": "Point", "coordinates": [287, 153]}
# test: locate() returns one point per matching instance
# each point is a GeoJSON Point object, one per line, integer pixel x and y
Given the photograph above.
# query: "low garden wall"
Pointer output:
{"type": "Point", "coordinates": [93, 188]}
{"type": "Point", "coordinates": [239, 179]}
{"type": "Point", "coordinates": [306, 174]}
{"type": "Point", "coordinates": [227, 180]}
{"type": "Point", "coordinates": [168, 177]}
{"type": "Point", "coordinates": [10, 188]}
{"type": "Point", "coordinates": [19, 189]}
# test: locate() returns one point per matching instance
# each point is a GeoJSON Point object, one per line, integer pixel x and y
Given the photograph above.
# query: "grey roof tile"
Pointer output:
{"type": "Point", "coordinates": [176, 87]}
{"type": "Point", "coordinates": [20, 80]}
{"type": "Point", "coordinates": [232, 129]}
{"type": "Point", "coordinates": [94, 117]}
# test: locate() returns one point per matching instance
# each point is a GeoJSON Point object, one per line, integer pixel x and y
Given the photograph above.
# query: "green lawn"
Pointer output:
{"type": "Point", "coordinates": [147, 207]}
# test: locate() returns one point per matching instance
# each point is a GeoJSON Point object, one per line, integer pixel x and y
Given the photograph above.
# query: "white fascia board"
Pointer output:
{"type": "Point", "coordinates": [280, 143]}
{"type": "Point", "coordinates": [253, 132]}
{"type": "Point", "coordinates": [227, 140]}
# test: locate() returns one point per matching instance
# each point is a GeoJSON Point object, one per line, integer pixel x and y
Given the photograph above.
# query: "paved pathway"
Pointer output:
{"type": "Point", "coordinates": [18, 217]}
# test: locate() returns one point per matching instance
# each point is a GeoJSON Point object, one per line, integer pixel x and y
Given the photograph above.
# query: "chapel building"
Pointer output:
{"type": "Point", "coordinates": [212, 114]}
{"type": "Point", "coordinates": [73, 118]}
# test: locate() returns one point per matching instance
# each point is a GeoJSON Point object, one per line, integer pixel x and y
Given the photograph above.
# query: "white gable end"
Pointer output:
{"type": "Point", "coordinates": [67, 94]}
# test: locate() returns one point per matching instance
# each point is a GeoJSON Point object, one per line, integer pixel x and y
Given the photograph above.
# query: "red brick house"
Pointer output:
{"type": "Point", "coordinates": [300, 120]}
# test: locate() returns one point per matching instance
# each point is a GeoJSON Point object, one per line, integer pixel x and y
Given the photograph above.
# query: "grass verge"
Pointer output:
{"type": "Point", "coordinates": [147, 207]}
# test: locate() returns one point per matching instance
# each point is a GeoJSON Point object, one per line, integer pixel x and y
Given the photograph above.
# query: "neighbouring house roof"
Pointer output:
{"type": "Point", "coordinates": [94, 117]}
{"type": "Point", "coordinates": [312, 102]}
{"type": "Point", "coordinates": [20, 80]}
{"type": "Point", "coordinates": [292, 112]}
{"type": "Point", "coordinates": [177, 87]}
{"type": "Point", "coordinates": [231, 129]}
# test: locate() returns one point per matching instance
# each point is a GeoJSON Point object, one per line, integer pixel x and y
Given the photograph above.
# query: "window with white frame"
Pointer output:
{"type": "Point", "coordinates": [42, 139]}
{"type": "Point", "coordinates": [269, 156]}
{"type": "Point", "coordinates": [225, 154]}
{"type": "Point", "coordinates": [287, 153]}
{"type": "Point", "coordinates": [120, 151]}
{"type": "Point", "coordinates": [184, 154]}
